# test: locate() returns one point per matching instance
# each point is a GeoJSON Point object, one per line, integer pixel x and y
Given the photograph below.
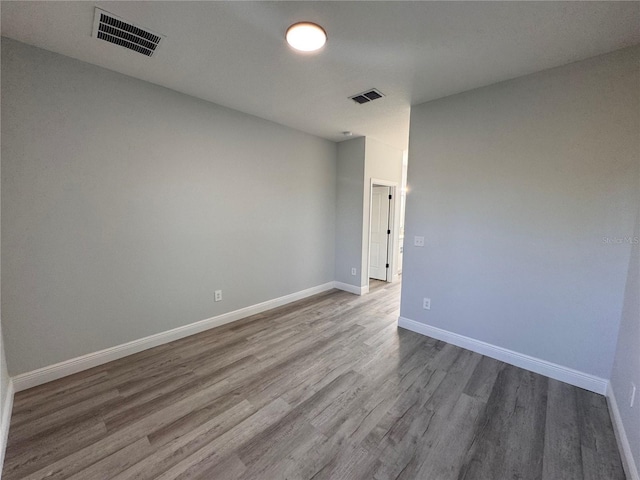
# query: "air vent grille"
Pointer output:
{"type": "Point", "coordinates": [366, 97]}
{"type": "Point", "coordinates": [112, 29]}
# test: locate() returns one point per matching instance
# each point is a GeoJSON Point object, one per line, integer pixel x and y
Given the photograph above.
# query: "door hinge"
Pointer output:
{"type": "Point", "coordinates": [388, 232]}
{"type": "Point", "coordinates": [390, 197]}
{"type": "Point", "coordinates": [387, 265]}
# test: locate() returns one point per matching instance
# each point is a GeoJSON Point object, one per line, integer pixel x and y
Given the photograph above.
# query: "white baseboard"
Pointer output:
{"type": "Point", "coordinates": [84, 362]}
{"type": "Point", "coordinates": [626, 453]}
{"type": "Point", "coordinates": [351, 288]}
{"type": "Point", "coordinates": [537, 365]}
{"type": "Point", "coordinates": [5, 420]}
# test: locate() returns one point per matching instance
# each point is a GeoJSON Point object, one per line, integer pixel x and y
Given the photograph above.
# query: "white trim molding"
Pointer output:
{"type": "Point", "coordinates": [351, 288]}
{"type": "Point", "coordinates": [626, 454]}
{"type": "Point", "coordinates": [90, 360]}
{"type": "Point", "coordinates": [5, 421]}
{"type": "Point", "coordinates": [537, 365]}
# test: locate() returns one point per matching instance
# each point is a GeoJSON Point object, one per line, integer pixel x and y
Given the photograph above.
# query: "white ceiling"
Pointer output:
{"type": "Point", "coordinates": [234, 53]}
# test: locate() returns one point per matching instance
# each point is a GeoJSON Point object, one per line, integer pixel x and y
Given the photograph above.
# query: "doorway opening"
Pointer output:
{"type": "Point", "coordinates": [382, 222]}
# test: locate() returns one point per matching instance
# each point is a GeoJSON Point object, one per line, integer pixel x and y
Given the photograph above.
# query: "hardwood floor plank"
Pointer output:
{"type": "Point", "coordinates": [399, 446]}
{"type": "Point", "coordinates": [509, 442]}
{"type": "Point", "coordinates": [41, 394]}
{"type": "Point", "coordinates": [92, 453]}
{"type": "Point", "coordinates": [43, 451]}
{"type": "Point", "coordinates": [53, 420]}
{"type": "Point", "coordinates": [414, 397]}
{"type": "Point", "coordinates": [351, 462]}
{"type": "Point", "coordinates": [600, 455]}
{"type": "Point", "coordinates": [271, 457]}
{"type": "Point", "coordinates": [58, 400]}
{"type": "Point", "coordinates": [196, 418]}
{"type": "Point", "coordinates": [562, 452]}
{"type": "Point", "coordinates": [483, 378]}
{"type": "Point", "coordinates": [167, 456]}
{"type": "Point", "coordinates": [116, 462]}
{"type": "Point", "coordinates": [230, 469]}
{"type": "Point", "coordinates": [312, 448]}
{"type": "Point", "coordinates": [442, 460]}
{"type": "Point", "coordinates": [226, 443]}
{"type": "Point", "coordinates": [321, 375]}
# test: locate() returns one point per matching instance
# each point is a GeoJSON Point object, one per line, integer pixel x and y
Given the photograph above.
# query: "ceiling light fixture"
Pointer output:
{"type": "Point", "coordinates": [306, 36]}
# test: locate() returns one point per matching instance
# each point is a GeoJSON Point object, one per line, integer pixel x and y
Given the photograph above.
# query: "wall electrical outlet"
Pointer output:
{"type": "Point", "coordinates": [426, 303]}
{"type": "Point", "coordinates": [632, 394]}
{"type": "Point", "coordinates": [217, 295]}
{"type": "Point", "coordinates": [353, 271]}
{"type": "Point", "coordinates": [418, 241]}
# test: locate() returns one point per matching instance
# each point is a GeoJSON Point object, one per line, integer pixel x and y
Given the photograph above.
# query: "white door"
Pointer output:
{"type": "Point", "coordinates": [378, 249]}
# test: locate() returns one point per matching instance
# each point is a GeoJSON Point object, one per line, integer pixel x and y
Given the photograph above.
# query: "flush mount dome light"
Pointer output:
{"type": "Point", "coordinates": [306, 36]}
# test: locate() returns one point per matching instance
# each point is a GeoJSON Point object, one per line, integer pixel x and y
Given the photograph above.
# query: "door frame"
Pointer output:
{"type": "Point", "coordinates": [393, 188]}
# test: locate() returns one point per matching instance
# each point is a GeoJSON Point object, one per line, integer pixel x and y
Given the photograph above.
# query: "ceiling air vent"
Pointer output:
{"type": "Point", "coordinates": [113, 29]}
{"type": "Point", "coordinates": [367, 97]}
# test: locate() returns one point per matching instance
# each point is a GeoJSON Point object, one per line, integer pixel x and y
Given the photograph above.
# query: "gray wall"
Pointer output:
{"type": "Point", "coordinates": [125, 205]}
{"type": "Point", "coordinates": [4, 372]}
{"type": "Point", "coordinates": [349, 207]}
{"type": "Point", "coordinates": [514, 187]}
{"type": "Point", "coordinates": [4, 391]}
{"type": "Point", "coordinates": [626, 366]}
{"type": "Point", "coordinates": [360, 160]}
{"type": "Point", "coordinates": [382, 162]}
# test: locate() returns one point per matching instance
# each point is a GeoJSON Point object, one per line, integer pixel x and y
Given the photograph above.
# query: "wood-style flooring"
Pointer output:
{"type": "Point", "coordinates": [325, 388]}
